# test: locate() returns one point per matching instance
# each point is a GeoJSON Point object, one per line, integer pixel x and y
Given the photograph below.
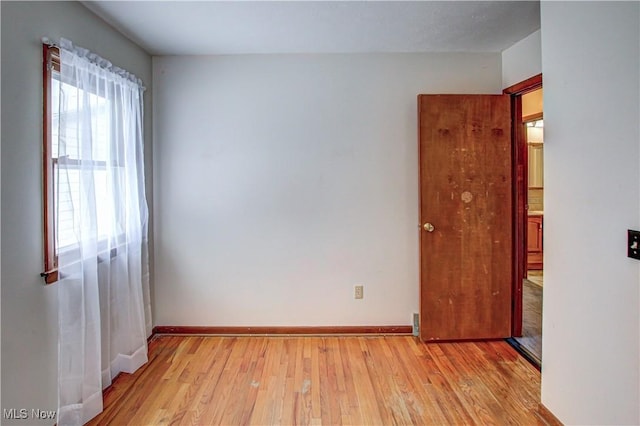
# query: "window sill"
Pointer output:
{"type": "Point", "coordinates": [50, 277]}
{"type": "Point", "coordinates": [104, 254]}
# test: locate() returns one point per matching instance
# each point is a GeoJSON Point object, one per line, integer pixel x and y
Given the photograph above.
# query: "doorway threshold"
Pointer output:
{"type": "Point", "coordinates": [528, 355]}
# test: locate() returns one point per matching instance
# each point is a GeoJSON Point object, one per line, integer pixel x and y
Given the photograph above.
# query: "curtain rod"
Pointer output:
{"type": "Point", "coordinates": [47, 41]}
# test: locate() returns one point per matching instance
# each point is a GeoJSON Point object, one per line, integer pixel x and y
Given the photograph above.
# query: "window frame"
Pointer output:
{"type": "Point", "coordinates": [50, 62]}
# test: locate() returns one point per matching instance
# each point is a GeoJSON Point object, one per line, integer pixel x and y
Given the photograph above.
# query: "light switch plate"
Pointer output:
{"type": "Point", "coordinates": [633, 244]}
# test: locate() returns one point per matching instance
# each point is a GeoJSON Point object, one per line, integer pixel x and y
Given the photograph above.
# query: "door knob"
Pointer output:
{"type": "Point", "coordinates": [428, 227]}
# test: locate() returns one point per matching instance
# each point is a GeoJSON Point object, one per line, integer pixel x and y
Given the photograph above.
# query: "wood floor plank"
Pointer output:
{"type": "Point", "coordinates": [387, 383]}
{"type": "Point", "coordinates": [367, 405]}
{"type": "Point", "coordinates": [350, 380]}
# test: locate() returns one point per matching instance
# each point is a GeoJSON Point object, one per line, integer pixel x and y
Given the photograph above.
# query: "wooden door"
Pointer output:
{"type": "Point", "coordinates": [466, 216]}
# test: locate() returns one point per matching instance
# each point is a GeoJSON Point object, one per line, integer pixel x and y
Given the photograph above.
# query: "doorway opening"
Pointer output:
{"type": "Point", "coordinates": [532, 284]}
{"type": "Point", "coordinates": [528, 196]}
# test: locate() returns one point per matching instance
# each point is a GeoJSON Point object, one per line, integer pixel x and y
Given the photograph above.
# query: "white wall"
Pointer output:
{"type": "Point", "coordinates": [29, 308]}
{"type": "Point", "coordinates": [591, 324]}
{"type": "Point", "coordinates": [522, 60]}
{"type": "Point", "coordinates": [287, 179]}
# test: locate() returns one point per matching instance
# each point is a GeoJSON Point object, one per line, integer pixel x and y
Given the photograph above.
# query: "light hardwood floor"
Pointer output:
{"type": "Point", "coordinates": [361, 380]}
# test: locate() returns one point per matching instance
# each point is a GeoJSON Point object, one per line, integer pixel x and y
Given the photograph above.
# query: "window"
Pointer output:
{"type": "Point", "coordinates": [64, 161]}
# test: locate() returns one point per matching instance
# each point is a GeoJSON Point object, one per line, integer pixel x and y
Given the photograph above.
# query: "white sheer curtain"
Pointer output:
{"type": "Point", "coordinates": [101, 217]}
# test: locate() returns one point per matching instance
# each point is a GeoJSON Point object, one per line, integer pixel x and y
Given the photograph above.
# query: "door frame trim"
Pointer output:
{"type": "Point", "coordinates": [519, 196]}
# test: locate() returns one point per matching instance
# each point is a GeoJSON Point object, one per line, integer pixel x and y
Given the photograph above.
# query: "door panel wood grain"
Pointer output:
{"type": "Point", "coordinates": [466, 194]}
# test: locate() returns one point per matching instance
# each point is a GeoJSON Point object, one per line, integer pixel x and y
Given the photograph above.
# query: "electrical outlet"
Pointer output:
{"type": "Point", "coordinates": [359, 292]}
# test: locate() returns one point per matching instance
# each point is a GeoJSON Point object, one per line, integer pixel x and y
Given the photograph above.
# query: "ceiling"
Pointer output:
{"type": "Point", "coordinates": [244, 27]}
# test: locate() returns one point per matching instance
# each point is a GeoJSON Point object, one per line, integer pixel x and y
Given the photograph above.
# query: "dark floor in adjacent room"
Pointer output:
{"type": "Point", "coordinates": [531, 339]}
